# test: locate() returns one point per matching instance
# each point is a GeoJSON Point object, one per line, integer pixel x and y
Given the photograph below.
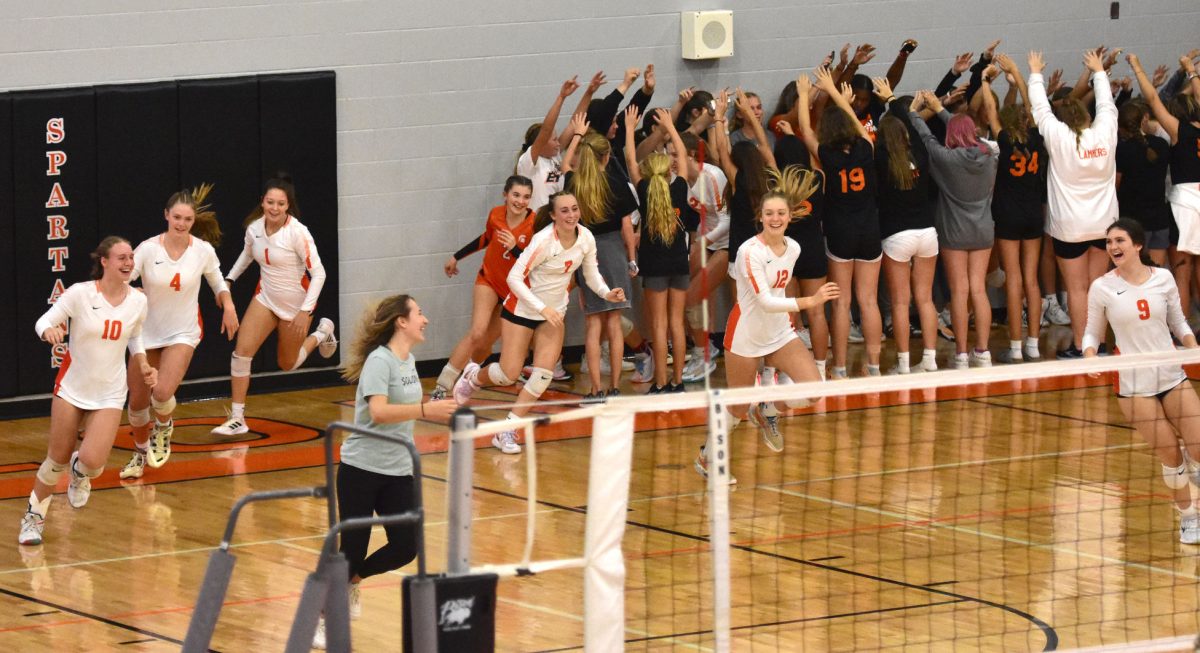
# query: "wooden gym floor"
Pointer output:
{"type": "Point", "coordinates": [1015, 517]}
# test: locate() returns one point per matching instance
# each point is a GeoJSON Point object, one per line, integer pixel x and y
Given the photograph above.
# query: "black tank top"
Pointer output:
{"type": "Point", "coordinates": [1185, 155]}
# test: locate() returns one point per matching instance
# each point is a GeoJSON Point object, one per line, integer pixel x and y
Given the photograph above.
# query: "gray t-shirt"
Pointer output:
{"type": "Point", "coordinates": [383, 374]}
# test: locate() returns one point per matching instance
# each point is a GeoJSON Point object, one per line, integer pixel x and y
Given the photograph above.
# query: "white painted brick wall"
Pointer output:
{"type": "Point", "coordinates": [433, 98]}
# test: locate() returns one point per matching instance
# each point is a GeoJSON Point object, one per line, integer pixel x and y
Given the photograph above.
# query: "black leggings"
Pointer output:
{"type": "Point", "coordinates": [361, 493]}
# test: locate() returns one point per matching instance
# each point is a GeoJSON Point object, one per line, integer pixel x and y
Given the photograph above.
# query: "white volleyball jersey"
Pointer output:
{"type": "Point", "coordinates": [758, 324]}
{"type": "Point", "coordinates": [546, 175]}
{"type": "Point", "coordinates": [708, 193]}
{"type": "Point", "coordinates": [92, 375]}
{"type": "Point", "coordinates": [541, 276]}
{"type": "Point", "coordinates": [1143, 318]}
{"type": "Point", "coordinates": [172, 289]}
{"type": "Point", "coordinates": [284, 258]}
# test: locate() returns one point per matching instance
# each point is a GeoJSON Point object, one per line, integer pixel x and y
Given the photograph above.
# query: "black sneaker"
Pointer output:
{"type": "Point", "coordinates": [1070, 353]}
{"type": "Point", "coordinates": [613, 393]}
{"type": "Point", "coordinates": [593, 397]}
{"type": "Point", "coordinates": [656, 389]}
{"type": "Point", "coordinates": [675, 387]}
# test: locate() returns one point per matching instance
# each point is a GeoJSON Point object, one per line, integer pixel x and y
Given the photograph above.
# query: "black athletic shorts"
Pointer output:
{"type": "Point", "coordinates": [520, 321]}
{"type": "Point", "coordinates": [1075, 250]}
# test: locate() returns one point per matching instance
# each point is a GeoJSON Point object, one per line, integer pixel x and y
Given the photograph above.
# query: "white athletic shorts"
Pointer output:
{"type": "Point", "coordinates": [902, 246]}
{"type": "Point", "coordinates": [286, 306]}
{"type": "Point", "coordinates": [1185, 205]}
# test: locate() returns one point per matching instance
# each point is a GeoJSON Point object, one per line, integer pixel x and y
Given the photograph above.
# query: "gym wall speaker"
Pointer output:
{"type": "Point", "coordinates": [706, 34]}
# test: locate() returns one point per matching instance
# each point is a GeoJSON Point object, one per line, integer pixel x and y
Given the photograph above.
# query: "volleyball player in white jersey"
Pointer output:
{"type": "Point", "coordinates": [170, 266]}
{"type": "Point", "coordinates": [290, 280]}
{"type": "Point", "coordinates": [104, 317]}
{"type": "Point", "coordinates": [759, 328]}
{"type": "Point", "coordinates": [535, 308]}
{"type": "Point", "coordinates": [1141, 303]}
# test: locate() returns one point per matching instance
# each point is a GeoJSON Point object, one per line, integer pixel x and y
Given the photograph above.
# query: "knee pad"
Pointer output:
{"type": "Point", "coordinates": [799, 403]}
{"type": "Point", "coordinates": [695, 316]}
{"type": "Point", "coordinates": [239, 366]}
{"type": "Point", "coordinates": [83, 470]}
{"type": "Point", "coordinates": [498, 376]}
{"type": "Point", "coordinates": [539, 380]}
{"type": "Point", "coordinates": [626, 326]}
{"type": "Point", "coordinates": [139, 418]}
{"type": "Point", "coordinates": [50, 472]}
{"type": "Point", "coordinates": [163, 407]}
{"type": "Point", "coordinates": [1176, 477]}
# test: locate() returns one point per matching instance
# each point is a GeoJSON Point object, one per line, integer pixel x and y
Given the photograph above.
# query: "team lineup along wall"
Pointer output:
{"type": "Point", "coordinates": [84, 163]}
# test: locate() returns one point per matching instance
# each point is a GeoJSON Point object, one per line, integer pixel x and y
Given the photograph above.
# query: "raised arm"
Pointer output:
{"type": "Point", "coordinates": [1010, 69]}
{"type": "Point", "coordinates": [989, 107]}
{"type": "Point", "coordinates": [722, 138]}
{"type": "Point", "coordinates": [896, 71]}
{"type": "Point", "coordinates": [578, 127]}
{"type": "Point", "coordinates": [584, 100]}
{"type": "Point", "coordinates": [681, 157]}
{"type": "Point", "coordinates": [825, 83]}
{"type": "Point", "coordinates": [1106, 109]}
{"type": "Point", "coordinates": [862, 55]}
{"type": "Point", "coordinates": [1039, 104]}
{"type": "Point", "coordinates": [760, 136]}
{"type": "Point", "coordinates": [961, 63]}
{"type": "Point", "coordinates": [804, 90]}
{"type": "Point", "coordinates": [630, 150]}
{"type": "Point", "coordinates": [641, 100]}
{"type": "Point", "coordinates": [546, 131]}
{"type": "Point", "coordinates": [1164, 117]}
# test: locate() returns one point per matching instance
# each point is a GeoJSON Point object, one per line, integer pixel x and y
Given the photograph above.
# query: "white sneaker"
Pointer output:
{"type": "Point", "coordinates": [1031, 352]}
{"type": "Point", "coordinates": [160, 444]}
{"type": "Point", "coordinates": [1189, 529]}
{"type": "Point", "coordinates": [995, 278]}
{"type": "Point", "coordinates": [232, 426]}
{"type": "Point", "coordinates": [355, 601]}
{"type": "Point", "coordinates": [465, 386]}
{"type": "Point", "coordinates": [697, 368]}
{"type": "Point", "coordinates": [560, 373]}
{"type": "Point", "coordinates": [135, 467]}
{"type": "Point", "coordinates": [643, 368]}
{"type": "Point", "coordinates": [506, 442]}
{"type": "Point", "coordinates": [1053, 313]}
{"type": "Point", "coordinates": [328, 346]}
{"type": "Point", "coordinates": [79, 490]}
{"type": "Point", "coordinates": [856, 334]}
{"type": "Point", "coordinates": [981, 359]}
{"type": "Point", "coordinates": [31, 528]}
{"type": "Point", "coordinates": [701, 465]}
{"type": "Point", "coordinates": [927, 364]}
{"type": "Point", "coordinates": [319, 636]}
{"type": "Point", "coordinates": [962, 362]}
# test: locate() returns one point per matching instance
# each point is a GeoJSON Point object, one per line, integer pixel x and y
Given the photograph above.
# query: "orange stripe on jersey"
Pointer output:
{"type": "Point", "coordinates": [304, 282]}
{"type": "Point", "coordinates": [62, 371]}
{"type": "Point", "coordinates": [307, 257]}
{"type": "Point", "coordinates": [510, 303]}
{"type": "Point", "coordinates": [200, 321]}
{"type": "Point", "coordinates": [750, 276]}
{"type": "Point", "coordinates": [735, 314]}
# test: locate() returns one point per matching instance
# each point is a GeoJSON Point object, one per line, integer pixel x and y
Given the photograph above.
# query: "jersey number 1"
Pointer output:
{"type": "Point", "coordinates": [112, 330]}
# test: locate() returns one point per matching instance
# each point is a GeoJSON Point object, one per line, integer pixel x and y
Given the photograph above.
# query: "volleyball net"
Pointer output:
{"type": "Point", "coordinates": [1005, 508]}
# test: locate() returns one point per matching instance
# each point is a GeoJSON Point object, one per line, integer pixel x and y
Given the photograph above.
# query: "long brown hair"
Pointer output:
{"type": "Point", "coordinates": [590, 181]}
{"type": "Point", "coordinates": [1074, 115]}
{"type": "Point", "coordinates": [1014, 123]}
{"type": "Point", "coordinates": [205, 227]}
{"type": "Point", "coordinates": [794, 185]}
{"type": "Point", "coordinates": [101, 252]}
{"type": "Point", "coordinates": [281, 181]}
{"type": "Point", "coordinates": [900, 159]}
{"type": "Point", "coordinates": [376, 329]}
{"type": "Point", "coordinates": [1129, 126]}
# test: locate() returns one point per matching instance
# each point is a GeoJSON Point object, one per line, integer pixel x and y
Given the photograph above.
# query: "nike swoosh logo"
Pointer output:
{"type": "Point", "coordinates": [95, 308]}
{"type": "Point", "coordinates": [158, 262]}
{"type": "Point", "coordinates": [1120, 292]}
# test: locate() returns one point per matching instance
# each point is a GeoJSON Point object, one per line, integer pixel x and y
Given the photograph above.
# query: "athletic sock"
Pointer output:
{"type": "Point", "coordinates": [821, 369]}
{"type": "Point", "coordinates": [903, 362]}
{"type": "Point", "coordinates": [39, 507]}
{"type": "Point", "coordinates": [448, 376]}
{"type": "Point", "coordinates": [238, 411]}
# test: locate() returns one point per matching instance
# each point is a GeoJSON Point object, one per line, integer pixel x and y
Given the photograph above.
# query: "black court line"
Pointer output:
{"type": "Point", "coordinates": [1046, 413]}
{"type": "Point", "coordinates": [95, 617]}
{"type": "Point", "coordinates": [136, 641]}
{"type": "Point", "coordinates": [941, 582]}
{"type": "Point", "coordinates": [826, 558]}
{"type": "Point", "coordinates": [38, 614]}
{"type": "Point", "coordinates": [1046, 629]}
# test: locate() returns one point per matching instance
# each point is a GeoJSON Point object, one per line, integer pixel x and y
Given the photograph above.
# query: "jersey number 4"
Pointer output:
{"type": "Point", "coordinates": [175, 282]}
{"type": "Point", "coordinates": [112, 330]}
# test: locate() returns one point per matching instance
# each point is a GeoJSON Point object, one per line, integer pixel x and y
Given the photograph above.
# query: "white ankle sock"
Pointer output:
{"type": "Point", "coordinates": [238, 411]}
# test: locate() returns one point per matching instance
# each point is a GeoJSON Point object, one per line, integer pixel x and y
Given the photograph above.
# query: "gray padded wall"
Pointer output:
{"type": "Point", "coordinates": [433, 98]}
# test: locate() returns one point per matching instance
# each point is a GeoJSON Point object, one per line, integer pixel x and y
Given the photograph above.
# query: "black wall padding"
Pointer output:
{"type": "Point", "coordinates": [9, 325]}
{"type": "Point", "coordinates": [219, 144]}
{"type": "Point", "coordinates": [35, 279]}
{"type": "Point", "coordinates": [137, 151]}
{"type": "Point", "coordinates": [299, 135]}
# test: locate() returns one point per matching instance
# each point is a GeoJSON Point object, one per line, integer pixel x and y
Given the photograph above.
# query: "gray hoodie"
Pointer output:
{"type": "Point", "coordinates": [965, 177]}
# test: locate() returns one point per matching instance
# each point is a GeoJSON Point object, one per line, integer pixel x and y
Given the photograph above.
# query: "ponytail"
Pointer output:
{"type": "Point", "coordinates": [660, 213]}
{"type": "Point", "coordinates": [590, 181]}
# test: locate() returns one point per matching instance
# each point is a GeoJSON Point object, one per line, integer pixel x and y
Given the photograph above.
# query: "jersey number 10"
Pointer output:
{"type": "Point", "coordinates": [112, 330]}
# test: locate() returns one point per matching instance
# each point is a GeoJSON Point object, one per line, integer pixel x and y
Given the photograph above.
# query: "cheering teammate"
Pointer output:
{"type": "Point", "coordinates": [291, 276]}
{"type": "Point", "coordinates": [106, 317]}
{"type": "Point", "coordinates": [535, 308]}
{"type": "Point", "coordinates": [170, 266]}
{"type": "Point", "coordinates": [759, 327]}
{"type": "Point", "coordinates": [1141, 303]}
{"type": "Point", "coordinates": [508, 230]}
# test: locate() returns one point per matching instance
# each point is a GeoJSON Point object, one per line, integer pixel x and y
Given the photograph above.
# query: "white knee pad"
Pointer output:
{"type": "Point", "coordinates": [163, 407]}
{"type": "Point", "coordinates": [83, 470]}
{"type": "Point", "coordinates": [50, 472]}
{"type": "Point", "coordinates": [695, 316]}
{"type": "Point", "coordinates": [498, 376]}
{"type": "Point", "coordinates": [539, 380]}
{"type": "Point", "coordinates": [626, 326]}
{"type": "Point", "coordinates": [799, 403]}
{"type": "Point", "coordinates": [1175, 477]}
{"type": "Point", "coordinates": [239, 366]}
{"type": "Point", "coordinates": [139, 417]}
